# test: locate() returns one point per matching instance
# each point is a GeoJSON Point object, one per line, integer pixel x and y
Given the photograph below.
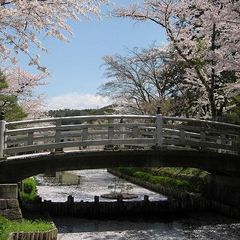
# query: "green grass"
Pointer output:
{"type": "Point", "coordinates": [29, 189]}
{"type": "Point", "coordinates": [163, 180]}
{"type": "Point", "coordinates": [7, 226]}
{"type": "Point", "coordinates": [182, 179]}
{"type": "Point", "coordinates": [179, 172]}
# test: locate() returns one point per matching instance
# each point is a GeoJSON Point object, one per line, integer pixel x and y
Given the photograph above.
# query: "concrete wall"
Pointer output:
{"type": "Point", "coordinates": [9, 206]}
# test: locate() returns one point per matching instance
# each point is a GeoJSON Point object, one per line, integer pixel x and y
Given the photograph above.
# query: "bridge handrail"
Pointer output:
{"type": "Point", "coordinates": [200, 121]}
{"type": "Point", "coordinates": [69, 127]}
{"type": "Point", "coordinates": [101, 130]}
{"type": "Point", "coordinates": [90, 117]}
{"type": "Point", "coordinates": [94, 117]}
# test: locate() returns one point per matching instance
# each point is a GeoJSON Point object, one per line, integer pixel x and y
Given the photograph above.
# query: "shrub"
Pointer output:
{"type": "Point", "coordinates": [142, 175]}
{"type": "Point", "coordinates": [29, 189]}
{"type": "Point", "coordinates": [126, 170]}
{"type": "Point", "coordinates": [165, 180]}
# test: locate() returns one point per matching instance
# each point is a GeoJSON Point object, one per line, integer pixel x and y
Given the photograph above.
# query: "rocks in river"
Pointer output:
{"type": "Point", "coordinates": [115, 195]}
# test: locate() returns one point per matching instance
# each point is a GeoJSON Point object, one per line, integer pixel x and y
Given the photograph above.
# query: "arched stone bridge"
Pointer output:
{"type": "Point", "coordinates": [34, 146]}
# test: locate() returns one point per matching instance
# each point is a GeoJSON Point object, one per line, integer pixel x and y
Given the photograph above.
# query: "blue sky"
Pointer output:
{"type": "Point", "coordinates": [75, 67]}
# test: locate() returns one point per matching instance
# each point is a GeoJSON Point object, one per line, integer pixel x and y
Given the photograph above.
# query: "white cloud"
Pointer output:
{"type": "Point", "coordinates": [77, 101]}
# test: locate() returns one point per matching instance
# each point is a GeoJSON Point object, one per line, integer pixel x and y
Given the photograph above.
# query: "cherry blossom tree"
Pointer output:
{"type": "Point", "coordinates": [23, 21]}
{"type": "Point", "coordinates": [8, 103]}
{"type": "Point", "coordinates": [18, 90]}
{"type": "Point", "coordinates": [22, 24]}
{"type": "Point", "coordinates": [142, 80]}
{"type": "Point", "coordinates": [205, 37]}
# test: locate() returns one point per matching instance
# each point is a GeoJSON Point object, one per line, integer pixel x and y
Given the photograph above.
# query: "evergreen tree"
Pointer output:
{"type": "Point", "coordinates": [8, 103]}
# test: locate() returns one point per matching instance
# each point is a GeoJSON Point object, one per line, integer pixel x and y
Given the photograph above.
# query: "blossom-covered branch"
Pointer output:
{"type": "Point", "coordinates": [205, 36]}
{"type": "Point", "coordinates": [21, 22]}
{"type": "Point", "coordinates": [21, 85]}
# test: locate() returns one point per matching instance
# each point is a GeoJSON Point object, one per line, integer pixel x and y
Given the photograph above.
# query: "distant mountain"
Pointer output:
{"type": "Point", "coordinates": [76, 112]}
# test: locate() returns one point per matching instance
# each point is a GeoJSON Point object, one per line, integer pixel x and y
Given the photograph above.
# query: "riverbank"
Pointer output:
{"type": "Point", "coordinates": [207, 225]}
{"type": "Point", "coordinates": [27, 229]}
{"type": "Point", "coordinates": [95, 182]}
{"type": "Point", "coordinates": [15, 223]}
{"type": "Point", "coordinates": [178, 193]}
{"type": "Point", "coordinates": [173, 188]}
{"type": "Point", "coordinates": [85, 200]}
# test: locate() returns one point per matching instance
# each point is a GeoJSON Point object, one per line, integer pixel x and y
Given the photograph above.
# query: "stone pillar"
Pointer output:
{"type": "Point", "coordinates": [9, 206]}
{"type": "Point", "coordinates": [2, 137]}
{"type": "Point", "coordinates": [96, 199]}
{"type": "Point", "coordinates": [146, 199]}
{"type": "Point", "coordinates": [159, 131]}
{"type": "Point", "coordinates": [70, 199]}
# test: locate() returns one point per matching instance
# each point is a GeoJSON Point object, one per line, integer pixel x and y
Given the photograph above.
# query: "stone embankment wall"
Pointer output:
{"type": "Point", "coordinates": [9, 206]}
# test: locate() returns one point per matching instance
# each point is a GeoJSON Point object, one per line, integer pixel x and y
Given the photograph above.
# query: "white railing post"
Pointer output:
{"type": "Point", "coordinates": [58, 124]}
{"type": "Point", "coordinates": [58, 130]}
{"type": "Point", "coordinates": [110, 133]}
{"type": "Point", "coordinates": [203, 140]}
{"type": "Point", "coordinates": [84, 136]}
{"type": "Point", "coordinates": [159, 130]}
{"type": "Point", "coordinates": [30, 138]}
{"type": "Point", "coordinates": [2, 131]}
{"type": "Point", "coordinates": [182, 136]}
{"type": "Point", "coordinates": [135, 131]}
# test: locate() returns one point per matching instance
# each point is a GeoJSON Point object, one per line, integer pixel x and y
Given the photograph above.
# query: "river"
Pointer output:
{"type": "Point", "coordinates": [97, 182]}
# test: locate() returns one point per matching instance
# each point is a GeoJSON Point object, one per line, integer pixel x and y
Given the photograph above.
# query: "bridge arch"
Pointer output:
{"type": "Point", "coordinates": [33, 146]}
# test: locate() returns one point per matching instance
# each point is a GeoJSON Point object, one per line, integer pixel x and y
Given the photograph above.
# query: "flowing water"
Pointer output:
{"type": "Point", "coordinates": [92, 183]}
{"type": "Point", "coordinates": [97, 182]}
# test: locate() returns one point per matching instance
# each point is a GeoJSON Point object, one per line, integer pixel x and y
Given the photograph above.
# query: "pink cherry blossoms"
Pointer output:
{"type": "Point", "coordinates": [205, 37]}
{"type": "Point", "coordinates": [22, 84]}
{"type": "Point", "coordinates": [22, 21]}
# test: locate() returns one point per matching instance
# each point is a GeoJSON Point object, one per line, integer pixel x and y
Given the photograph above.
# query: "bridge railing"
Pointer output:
{"type": "Point", "coordinates": [84, 132]}
{"type": "Point", "coordinates": [201, 134]}
{"type": "Point", "coordinates": [113, 132]}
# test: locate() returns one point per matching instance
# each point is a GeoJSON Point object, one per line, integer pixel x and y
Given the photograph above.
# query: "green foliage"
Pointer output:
{"type": "Point", "coordinates": [9, 104]}
{"type": "Point", "coordinates": [233, 116]}
{"type": "Point", "coordinates": [149, 176]}
{"type": "Point", "coordinates": [29, 189]}
{"type": "Point", "coordinates": [13, 112]}
{"type": "Point", "coordinates": [142, 175]}
{"type": "Point", "coordinates": [179, 172]}
{"type": "Point", "coordinates": [3, 83]}
{"type": "Point", "coordinates": [127, 170]}
{"type": "Point", "coordinates": [7, 226]}
{"type": "Point", "coordinates": [162, 180]}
